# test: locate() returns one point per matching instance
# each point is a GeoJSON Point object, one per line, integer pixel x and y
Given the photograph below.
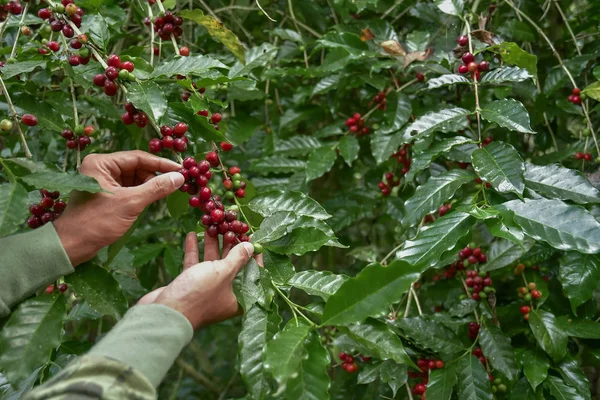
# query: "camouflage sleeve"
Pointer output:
{"type": "Point", "coordinates": [95, 377]}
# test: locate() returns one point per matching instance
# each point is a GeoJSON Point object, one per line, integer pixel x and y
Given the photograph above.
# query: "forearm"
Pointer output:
{"type": "Point", "coordinates": [29, 262]}
{"type": "Point", "coordinates": [129, 362]}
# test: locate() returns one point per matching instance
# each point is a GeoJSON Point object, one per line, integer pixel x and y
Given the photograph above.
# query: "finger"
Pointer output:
{"type": "Point", "coordinates": [130, 161]}
{"type": "Point", "coordinates": [151, 297]}
{"type": "Point", "coordinates": [259, 260]}
{"type": "Point", "coordinates": [156, 188]}
{"type": "Point", "coordinates": [226, 248]}
{"type": "Point", "coordinates": [237, 258]}
{"type": "Point", "coordinates": [211, 248]}
{"type": "Point", "coordinates": [191, 251]}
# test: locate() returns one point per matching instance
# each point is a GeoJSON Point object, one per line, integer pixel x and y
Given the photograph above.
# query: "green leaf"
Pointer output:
{"type": "Point", "coordinates": [318, 283]}
{"type": "Point", "coordinates": [506, 74]}
{"type": "Point", "coordinates": [501, 165]}
{"type": "Point", "coordinates": [46, 114]}
{"type": "Point", "coordinates": [284, 354]}
{"type": "Point", "coordinates": [435, 192]}
{"type": "Point", "coordinates": [560, 390]}
{"type": "Point", "coordinates": [562, 226]}
{"type": "Point", "coordinates": [63, 182]}
{"type": "Point", "coordinates": [558, 182]}
{"type": "Point", "coordinates": [274, 227]}
{"type": "Point", "coordinates": [99, 32]}
{"type": "Point", "coordinates": [300, 241]}
{"type": "Point", "coordinates": [446, 80]}
{"type": "Point", "coordinates": [198, 126]}
{"type": "Point", "coordinates": [370, 292]}
{"type": "Point", "coordinates": [249, 288]}
{"type": "Point", "coordinates": [422, 160]}
{"type": "Point", "coordinates": [383, 146]}
{"type": "Point", "coordinates": [523, 391]}
{"type": "Point", "coordinates": [256, 57]}
{"type": "Point", "coordinates": [512, 54]}
{"type": "Point", "coordinates": [549, 335]}
{"type": "Point", "coordinates": [429, 333]}
{"type": "Point", "coordinates": [147, 253]}
{"type": "Point", "coordinates": [22, 67]}
{"type": "Point", "coordinates": [368, 374]}
{"type": "Point", "coordinates": [173, 260]}
{"type": "Point", "coordinates": [99, 289]}
{"type": "Point", "coordinates": [216, 29]}
{"type": "Point", "coordinates": [535, 366]}
{"type": "Point", "coordinates": [394, 375]}
{"type": "Point", "coordinates": [498, 351]}
{"type": "Point", "coordinates": [509, 114]}
{"type": "Point", "coordinates": [278, 164]}
{"type": "Point", "coordinates": [344, 40]}
{"type": "Point", "coordinates": [297, 146]}
{"type": "Point", "coordinates": [148, 97]}
{"type": "Point", "coordinates": [320, 162]}
{"type": "Point", "coordinates": [312, 381]}
{"type": "Point", "coordinates": [506, 228]}
{"type": "Point", "coordinates": [503, 253]}
{"type": "Point", "coordinates": [441, 382]}
{"type": "Point", "coordinates": [593, 91]}
{"type": "Point", "coordinates": [473, 381]}
{"type": "Point", "coordinates": [178, 204]}
{"type": "Point", "coordinates": [326, 84]}
{"type": "Point", "coordinates": [580, 328]}
{"type": "Point", "coordinates": [288, 34]}
{"type": "Point", "coordinates": [279, 200]}
{"type": "Point", "coordinates": [463, 308]}
{"type": "Point", "coordinates": [13, 207]}
{"type": "Point", "coordinates": [241, 128]}
{"type": "Point", "coordinates": [280, 267]}
{"type": "Point", "coordinates": [433, 121]}
{"type": "Point", "coordinates": [579, 276]}
{"type": "Point", "coordinates": [349, 148]}
{"type": "Point", "coordinates": [451, 7]}
{"type": "Point", "coordinates": [258, 328]}
{"type": "Point", "coordinates": [192, 65]}
{"type": "Point", "coordinates": [573, 376]}
{"type": "Point", "coordinates": [426, 249]}
{"type": "Point", "coordinates": [30, 335]}
{"type": "Point", "coordinates": [383, 343]}
{"type": "Point", "coordinates": [397, 113]}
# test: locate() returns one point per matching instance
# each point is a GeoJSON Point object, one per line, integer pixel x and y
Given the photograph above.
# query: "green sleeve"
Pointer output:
{"type": "Point", "coordinates": [128, 363]}
{"type": "Point", "coordinates": [30, 261]}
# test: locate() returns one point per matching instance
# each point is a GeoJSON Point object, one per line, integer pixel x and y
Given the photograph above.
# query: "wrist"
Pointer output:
{"type": "Point", "coordinates": [77, 248]}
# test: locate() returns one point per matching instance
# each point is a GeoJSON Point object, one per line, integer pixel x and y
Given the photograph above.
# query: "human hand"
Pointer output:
{"type": "Point", "coordinates": [203, 292]}
{"type": "Point", "coordinates": [93, 221]}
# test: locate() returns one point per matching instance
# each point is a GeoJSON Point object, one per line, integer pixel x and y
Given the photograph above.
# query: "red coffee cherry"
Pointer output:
{"type": "Point", "coordinates": [184, 51]}
{"type": "Point", "coordinates": [180, 129]}
{"type": "Point", "coordinates": [468, 58]}
{"type": "Point", "coordinates": [113, 61]}
{"type": "Point", "coordinates": [216, 118]}
{"type": "Point", "coordinates": [29, 119]}
{"type": "Point", "coordinates": [463, 40]}
{"type": "Point", "coordinates": [226, 146]}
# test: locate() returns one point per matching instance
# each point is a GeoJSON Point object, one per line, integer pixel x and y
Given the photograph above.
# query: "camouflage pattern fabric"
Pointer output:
{"type": "Point", "coordinates": [95, 377]}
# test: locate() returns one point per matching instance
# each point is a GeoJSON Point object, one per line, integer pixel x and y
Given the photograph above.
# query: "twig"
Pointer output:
{"type": "Point", "coordinates": [197, 375]}
{"type": "Point", "coordinates": [15, 45]}
{"type": "Point", "coordinates": [151, 16]}
{"type": "Point", "coordinates": [475, 83]}
{"type": "Point", "coordinates": [15, 118]}
{"type": "Point", "coordinates": [264, 12]}
{"type": "Point", "coordinates": [291, 8]}
{"type": "Point", "coordinates": [384, 261]}
{"type": "Point", "coordinates": [333, 14]}
{"type": "Point", "coordinates": [392, 8]}
{"type": "Point", "coordinates": [412, 290]}
{"type": "Point", "coordinates": [173, 40]}
{"type": "Point", "coordinates": [408, 391]}
{"type": "Point", "coordinates": [408, 301]}
{"type": "Point", "coordinates": [224, 393]}
{"type": "Point", "coordinates": [234, 7]}
{"type": "Point", "coordinates": [564, 17]}
{"type": "Point", "coordinates": [209, 10]}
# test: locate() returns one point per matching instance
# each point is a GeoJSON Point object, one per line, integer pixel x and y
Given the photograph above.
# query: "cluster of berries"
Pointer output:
{"type": "Point", "coordinates": [425, 366]}
{"type": "Point", "coordinates": [380, 99]}
{"type": "Point", "coordinates": [12, 7]}
{"type": "Point", "coordinates": [234, 185]}
{"type": "Point", "coordinates": [82, 57]}
{"type": "Point", "coordinates": [214, 119]}
{"type": "Point", "coordinates": [444, 209]}
{"type": "Point", "coordinates": [529, 292]}
{"type": "Point", "coordinates": [185, 96]}
{"type": "Point", "coordinates": [480, 182]}
{"type": "Point", "coordinates": [197, 175]}
{"type": "Point", "coordinates": [349, 362]}
{"type": "Point", "coordinates": [479, 284]}
{"type": "Point", "coordinates": [575, 97]}
{"type": "Point", "coordinates": [172, 138]}
{"type": "Point", "coordinates": [167, 25]}
{"type": "Point", "coordinates": [47, 210]}
{"type": "Point", "coordinates": [477, 352]}
{"type": "Point", "coordinates": [357, 125]}
{"type": "Point", "coordinates": [472, 255]}
{"type": "Point", "coordinates": [63, 287]}
{"type": "Point", "coordinates": [116, 69]}
{"type": "Point", "coordinates": [473, 330]}
{"type": "Point", "coordinates": [80, 138]}
{"type": "Point", "coordinates": [583, 156]}
{"type": "Point", "coordinates": [390, 181]}
{"type": "Point", "coordinates": [470, 66]}
{"type": "Point", "coordinates": [67, 9]}
{"type": "Point", "coordinates": [497, 385]}
{"type": "Point", "coordinates": [133, 115]}
{"type": "Point", "coordinates": [448, 273]}
{"type": "Point", "coordinates": [403, 158]}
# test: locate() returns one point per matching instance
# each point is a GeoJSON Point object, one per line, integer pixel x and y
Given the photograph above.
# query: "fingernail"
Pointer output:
{"type": "Point", "coordinates": [249, 248]}
{"type": "Point", "coordinates": [177, 179]}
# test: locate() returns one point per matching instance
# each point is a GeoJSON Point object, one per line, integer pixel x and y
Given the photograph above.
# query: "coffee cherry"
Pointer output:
{"type": "Point", "coordinates": [420, 388]}
{"type": "Point", "coordinates": [44, 13]}
{"type": "Point", "coordinates": [576, 100]}
{"type": "Point", "coordinates": [6, 125]}
{"type": "Point", "coordinates": [226, 146]}
{"type": "Point", "coordinates": [74, 60]}
{"type": "Point", "coordinates": [49, 289]}
{"type": "Point", "coordinates": [71, 144]}
{"type": "Point", "coordinates": [420, 77]}
{"type": "Point", "coordinates": [217, 215]}
{"type": "Point", "coordinates": [111, 73]}
{"type": "Point", "coordinates": [47, 217]}
{"type": "Point", "coordinates": [230, 237]}
{"type": "Point", "coordinates": [110, 88]}
{"type": "Point", "coordinates": [99, 79]}
{"type": "Point", "coordinates": [213, 158]}
{"type": "Point", "coordinates": [205, 193]}
{"type": "Point", "coordinates": [472, 67]}
{"type": "Point", "coordinates": [439, 364]}
{"type": "Point", "coordinates": [463, 40]}
{"type": "Point", "coordinates": [53, 46]}
{"type": "Point", "coordinates": [234, 170]}
{"type": "Point", "coordinates": [128, 65]}
{"type": "Point", "coordinates": [59, 206]}
{"type": "Point", "coordinates": [179, 145]}
{"type": "Point", "coordinates": [113, 61]}
{"type": "Point", "coordinates": [463, 69]}
{"type": "Point", "coordinates": [525, 310]}
{"type": "Point", "coordinates": [68, 31]}
{"type": "Point", "coordinates": [484, 65]}
{"type": "Point", "coordinates": [576, 92]}
{"type": "Point", "coordinates": [29, 119]}
{"type": "Point", "coordinates": [212, 231]}
{"type": "Point", "coordinates": [468, 58]}
{"type": "Point", "coordinates": [216, 118]}
{"type": "Point", "coordinates": [63, 287]}
{"type": "Point", "coordinates": [184, 51]}
{"type": "Point", "coordinates": [536, 294]}
{"type": "Point", "coordinates": [180, 129]}
{"type": "Point", "coordinates": [155, 145]}
{"type": "Point", "coordinates": [258, 249]}
{"type": "Point", "coordinates": [240, 193]}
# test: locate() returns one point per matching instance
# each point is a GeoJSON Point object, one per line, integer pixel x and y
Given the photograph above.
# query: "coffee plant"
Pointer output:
{"type": "Point", "coordinates": [421, 177]}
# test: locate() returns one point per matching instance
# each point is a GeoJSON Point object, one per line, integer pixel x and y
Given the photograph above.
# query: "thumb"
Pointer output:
{"type": "Point", "coordinates": [158, 188]}
{"type": "Point", "coordinates": [237, 257]}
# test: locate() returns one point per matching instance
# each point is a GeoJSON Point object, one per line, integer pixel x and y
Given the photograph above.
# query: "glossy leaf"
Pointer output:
{"type": "Point", "coordinates": [573, 376]}
{"type": "Point", "coordinates": [300, 241]}
{"type": "Point", "coordinates": [326, 84]}
{"type": "Point", "coordinates": [383, 343]}
{"type": "Point", "coordinates": [560, 390]}
{"type": "Point", "coordinates": [312, 381]}
{"type": "Point", "coordinates": [317, 283]}
{"type": "Point", "coordinates": [580, 328]}
{"type": "Point", "coordinates": [506, 74]}
{"type": "Point", "coordinates": [22, 67]}
{"type": "Point", "coordinates": [593, 91]}
{"type": "Point", "coordinates": [563, 226]}
{"type": "Point", "coordinates": [501, 165]}
{"type": "Point", "coordinates": [256, 57]}
{"type": "Point", "coordinates": [579, 276]}
{"type": "Point", "coordinates": [370, 292]}
{"type": "Point", "coordinates": [369, 373]}
{"type": "Point", "coordinates": [280, 267]}
{"type": "Point", "coordinates": [278, 164]}
{"type": "Point", "coordinates": [426, 249]}
{"type": "Point", "coordinates": [557, 182]}
{"type": "Point", "coordinates": [512, 54]}
{"type": "Point", "coordinates": [433, 121]}
{"type": "Point", "coordinates": [63, 182]}
{"type": "Point", "coordinates": [435, 192]}
{"type": "Point", "coordinates": [446, 80]}
{"type": "Point", "coordinates": [503, 253]}
{"type": "Point", "coordinates": [99, 289]}
{"type": "Point", "coordinates": [349, 149]}
{"type": "Point", "coordinates": [187, 65]}
{"type": "Point", "coordinates": [422, 160]}
{"type": "Point", "coordinates": [30, 335]}
{"type": "Point", "coordinates": [430, 334]}
{"type": "Point", "coordinates": [47, 117]}
{"type": "Point", "coordinates": [274, 227]}
{"type": "Point", "coordinates": [251, 286]}
{"type": "Point", "coordinates": [498, 351]}
{"type": "Point", "coordinates": [473, 382]}
{"type": "Point", "coordinates": [508, 113]}
{"type": "Point", "coordinates": [383, 146]}
{"type": "Point", "coordinates": [13, 207]}
{"type": "Point", "coordinates": [452, 7]}
{"type": "Point", "coordinates": [441, 382]}
{"type": "Point", "coordinates": [397, 113]}
{"type": "Point", "coordinates": [394, 375]}
{"type": "Point", "coordinates": [148, 97]}
{"type": "Point", "coordinates": [297, 145]}
{"type": "Point", "coordinates": [320, 162]}
{"type": "Point", "coordinates": [535, 366]}
{"type": "Point", "coordinates": [523, 391]}
{"type": "Point", "coordinates": [279, 200]}
{"type": "Point", "coordinates": [548, 333]}
{"type": "Point", "coordinates": [284, 354]}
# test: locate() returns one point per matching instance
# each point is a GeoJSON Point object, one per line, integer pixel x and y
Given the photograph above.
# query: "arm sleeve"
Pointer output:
{"type": "Point", "coordinates": [129, 362]}
{"type": "Point", "coordinates": [28, 262]}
